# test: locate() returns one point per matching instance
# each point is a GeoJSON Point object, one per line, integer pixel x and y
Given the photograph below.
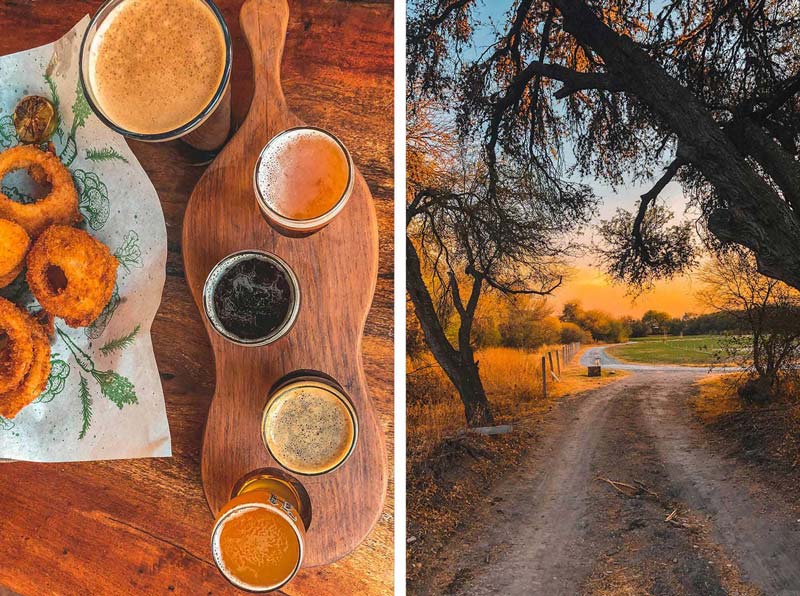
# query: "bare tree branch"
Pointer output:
{"type": "Point", "coordinates": [647, 199]}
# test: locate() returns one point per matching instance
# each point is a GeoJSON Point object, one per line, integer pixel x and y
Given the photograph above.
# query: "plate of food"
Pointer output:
{"type": "Point", "coordinates": [82, 268]}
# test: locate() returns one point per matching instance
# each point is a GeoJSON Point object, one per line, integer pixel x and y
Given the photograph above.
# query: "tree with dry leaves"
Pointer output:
{"type": "Point", "coordinates": [767, 312]}
{"type": "Point", "coordinates": [463, 241]}
{"type": "Point", "coordinates": [706, 91]}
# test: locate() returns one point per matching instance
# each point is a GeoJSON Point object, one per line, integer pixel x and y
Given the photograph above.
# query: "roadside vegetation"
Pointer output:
{"type": "Point", "coordinates": [766, 436]}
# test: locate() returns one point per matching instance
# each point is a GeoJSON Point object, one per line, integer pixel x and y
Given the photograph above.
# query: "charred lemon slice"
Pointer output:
{"type": "Point", "coordinates": [35, 119]}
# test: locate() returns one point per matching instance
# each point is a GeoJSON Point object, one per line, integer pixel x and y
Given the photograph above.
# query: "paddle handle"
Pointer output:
{"type": "Point", "coordinates": [264, 24]}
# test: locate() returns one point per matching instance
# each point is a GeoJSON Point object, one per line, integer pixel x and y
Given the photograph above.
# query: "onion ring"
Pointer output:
{"type": "Point", "coordinates": [17, 355]}
{"type": "Point", "coordinates": [60, 206]}
{"type": "Point", "coordinates": [71, 274]}
{"type": "Point", "coordinates": [35, 380]}
{"type": "Point", "coordinates": [14, 245]}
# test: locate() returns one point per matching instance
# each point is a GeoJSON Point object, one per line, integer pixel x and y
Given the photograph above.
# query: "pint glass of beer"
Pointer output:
{"type": "Point", "coordinates": [303, 179]}
{"type": "Point", "coordinates": [309, 425]}
{"type": "Point", "coordinates": [157, 70]}
{"type": "Point", "coordinates": [259, 535]}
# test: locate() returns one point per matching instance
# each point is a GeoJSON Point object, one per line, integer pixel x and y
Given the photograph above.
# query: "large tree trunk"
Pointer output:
{"type": "Point", "coordinates": [470, 388]}
{"type": "Point", "coordinates": [757, 216]}
{"type": "Point", "coordinates": [460, 367]}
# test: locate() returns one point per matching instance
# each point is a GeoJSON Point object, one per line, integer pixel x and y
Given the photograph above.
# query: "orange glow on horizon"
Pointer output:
{"type": "Point", "coordinates": [594, 290]}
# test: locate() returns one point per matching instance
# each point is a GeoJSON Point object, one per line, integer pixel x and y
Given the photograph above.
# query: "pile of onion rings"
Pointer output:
{"type": "Point", "coordinates": [60, 206]}
{"type": "Point", "coordinates": [25, 359]}
{"type": "Point", "coordinates": [71, 274]}
{"type": "Point", "coordinates": [14, 244]}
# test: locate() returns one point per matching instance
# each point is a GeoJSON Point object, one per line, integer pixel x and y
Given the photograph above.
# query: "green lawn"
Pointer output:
{"type": "Point", "coordinates": [691, 349]}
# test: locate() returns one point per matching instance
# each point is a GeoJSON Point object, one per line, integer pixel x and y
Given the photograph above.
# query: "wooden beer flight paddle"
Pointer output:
{"type": "Point", "coordinates": [337, 270]}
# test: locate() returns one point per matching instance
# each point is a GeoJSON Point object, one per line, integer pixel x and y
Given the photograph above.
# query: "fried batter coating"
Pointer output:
{"type": "Point", "coordinates": [11, 402]}
{"type": "Point", "coordinates": [16, 345]}
{"type": "Point", "coordinates": [60, 206]}
{"type": "Point", "coordinates": [71, 274]}
{"type": "Point", "coordinates": [14, 245]}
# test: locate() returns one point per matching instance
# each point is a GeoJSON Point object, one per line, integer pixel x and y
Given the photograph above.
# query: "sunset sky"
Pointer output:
{"type": "Point", "coordinates": [587, 283]}
{"type": "Point", "coordinates": [590, 287]}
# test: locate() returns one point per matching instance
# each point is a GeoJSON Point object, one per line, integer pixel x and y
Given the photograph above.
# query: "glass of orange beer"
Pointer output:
{"type": "Point", "coordinates": [259, 535]}
{"type": "Point", "coordinates": [303, 179]}
{"type": "Point", "coordinates": [157, 70]}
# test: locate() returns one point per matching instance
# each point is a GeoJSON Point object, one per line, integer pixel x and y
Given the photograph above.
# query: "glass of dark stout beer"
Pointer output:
{"type": "Point", "coordinates": [251, 298]}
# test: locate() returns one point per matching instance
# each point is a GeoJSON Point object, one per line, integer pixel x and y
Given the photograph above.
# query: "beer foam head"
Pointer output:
{"type": "Point", "coordinates": [309, 428]}
{"type": "Point", "coordinates": [154, 66]}
{"type": "Point", "coordinates": [261, 551]}
{"type": "Point", "coordinates": [304, 174]}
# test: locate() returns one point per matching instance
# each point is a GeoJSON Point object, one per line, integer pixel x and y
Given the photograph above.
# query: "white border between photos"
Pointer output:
{"type": "Point", "coordinates": [399, 297]}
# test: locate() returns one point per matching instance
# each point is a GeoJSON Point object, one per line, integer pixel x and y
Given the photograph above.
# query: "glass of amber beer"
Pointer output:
{"type": "Point", "coordinates": [309, 426]}
{"type": "Point", "coordinates": [157, 70]}
{"type": "Point", "coordinates": [259, 535]}
{"type": "Point", "coordinates": [303, 179]}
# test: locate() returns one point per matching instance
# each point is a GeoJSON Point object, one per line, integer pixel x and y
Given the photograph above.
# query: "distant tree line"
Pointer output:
{"type": "Point", "coordinates": [531, 324]}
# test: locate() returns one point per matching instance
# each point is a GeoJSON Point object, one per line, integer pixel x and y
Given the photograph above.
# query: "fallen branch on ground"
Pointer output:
{"type": "Point", "coordinates": [620, 486]}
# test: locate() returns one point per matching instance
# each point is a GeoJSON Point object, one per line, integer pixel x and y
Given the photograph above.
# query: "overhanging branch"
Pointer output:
{"type": "Point", "coordinates": [646, 200]}
{"type": "Point", "coordinates": [573, 80]}
{"type": "Point", "coordinates": [506, 289]}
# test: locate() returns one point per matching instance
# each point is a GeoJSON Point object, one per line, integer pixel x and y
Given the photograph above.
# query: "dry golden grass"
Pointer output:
{"type": "Point", "coordinates": [717, 396]}
{"type": "Point", "coordinates": [513, 382]}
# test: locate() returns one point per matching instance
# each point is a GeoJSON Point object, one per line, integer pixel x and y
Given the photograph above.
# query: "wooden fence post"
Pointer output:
{"type": "Point", "coordinates": [558, 362]}
{"type": "Point", "coordinates": [544, 378]}
{"type": "Point", "coordinates": [550, 358]}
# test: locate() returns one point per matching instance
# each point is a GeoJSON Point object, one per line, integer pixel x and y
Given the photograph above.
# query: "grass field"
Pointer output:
{"type": "Point", "coordinates": [689, 350]}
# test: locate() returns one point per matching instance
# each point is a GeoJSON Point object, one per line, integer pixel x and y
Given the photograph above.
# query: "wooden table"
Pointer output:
{"type": "Point", "coordinates": [142, 526]}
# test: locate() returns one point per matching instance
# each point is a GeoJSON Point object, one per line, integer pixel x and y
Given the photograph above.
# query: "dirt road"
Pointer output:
{"type": "Point", "coordinates": [554, 527]}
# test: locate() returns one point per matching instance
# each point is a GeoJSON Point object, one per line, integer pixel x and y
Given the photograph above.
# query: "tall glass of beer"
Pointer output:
{"type": "Point", "coordinates": [157, 70]}
{"type": "Point", "coordinates": [259, 535]}
{"type": "Point", "coordinates": [303, 179]}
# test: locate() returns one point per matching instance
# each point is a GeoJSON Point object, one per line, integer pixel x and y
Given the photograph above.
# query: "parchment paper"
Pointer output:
{"type": "Point", "coordinates": [104, 398]}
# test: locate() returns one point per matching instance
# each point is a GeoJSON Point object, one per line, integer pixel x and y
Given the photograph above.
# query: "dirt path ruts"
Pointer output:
{"type": "Point", "coordinates": [747, 518]}
{"type": "Point", "coordinates": [552, 528]}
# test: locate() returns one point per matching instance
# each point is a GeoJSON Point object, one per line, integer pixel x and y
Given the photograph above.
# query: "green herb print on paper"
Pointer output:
{"type": "Point", "coordinates": [106, 154]}
{"type": "Point", "coordinates": [113, 386]}
{"type": "Point", "coordinates": [92, 198]}
{"type": "Point", "coordinates": [129, 254]}
{"type": "Point", "coordinates": [86, 406]}
{"type": "Point", "coordinates": [8, 134]}
{"type": "Point", "coordinates": [59, 371]}
{"type": "Point", "coordinates": [120, 343]}
{"type": "Point", "coordinates": [80, 112]}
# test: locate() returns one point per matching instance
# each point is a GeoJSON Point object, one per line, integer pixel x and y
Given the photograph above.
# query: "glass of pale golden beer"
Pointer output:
{"type": "Point", "coordinates": [309, 426]}
{"type": "Point", "coordinates": [259, 535]}
{"type": "Point", "coordinates": [303, 179]}
{"type": "Point", "coordinates": [157, 70]}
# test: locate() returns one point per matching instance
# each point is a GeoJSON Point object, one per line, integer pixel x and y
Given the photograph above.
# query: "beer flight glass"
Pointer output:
{"type": "Point", "coordinates": [159, 70]}
{"type": "Point", "coordinates": [302, 180]}
{"type": "Point", "coordinates": [259, 535]}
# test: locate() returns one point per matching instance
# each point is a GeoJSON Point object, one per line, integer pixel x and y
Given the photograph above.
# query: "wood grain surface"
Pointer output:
{"type": "Point", "coordinates": [336, 268]}
{"type": "Point", "coordinates": [142, 526]}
